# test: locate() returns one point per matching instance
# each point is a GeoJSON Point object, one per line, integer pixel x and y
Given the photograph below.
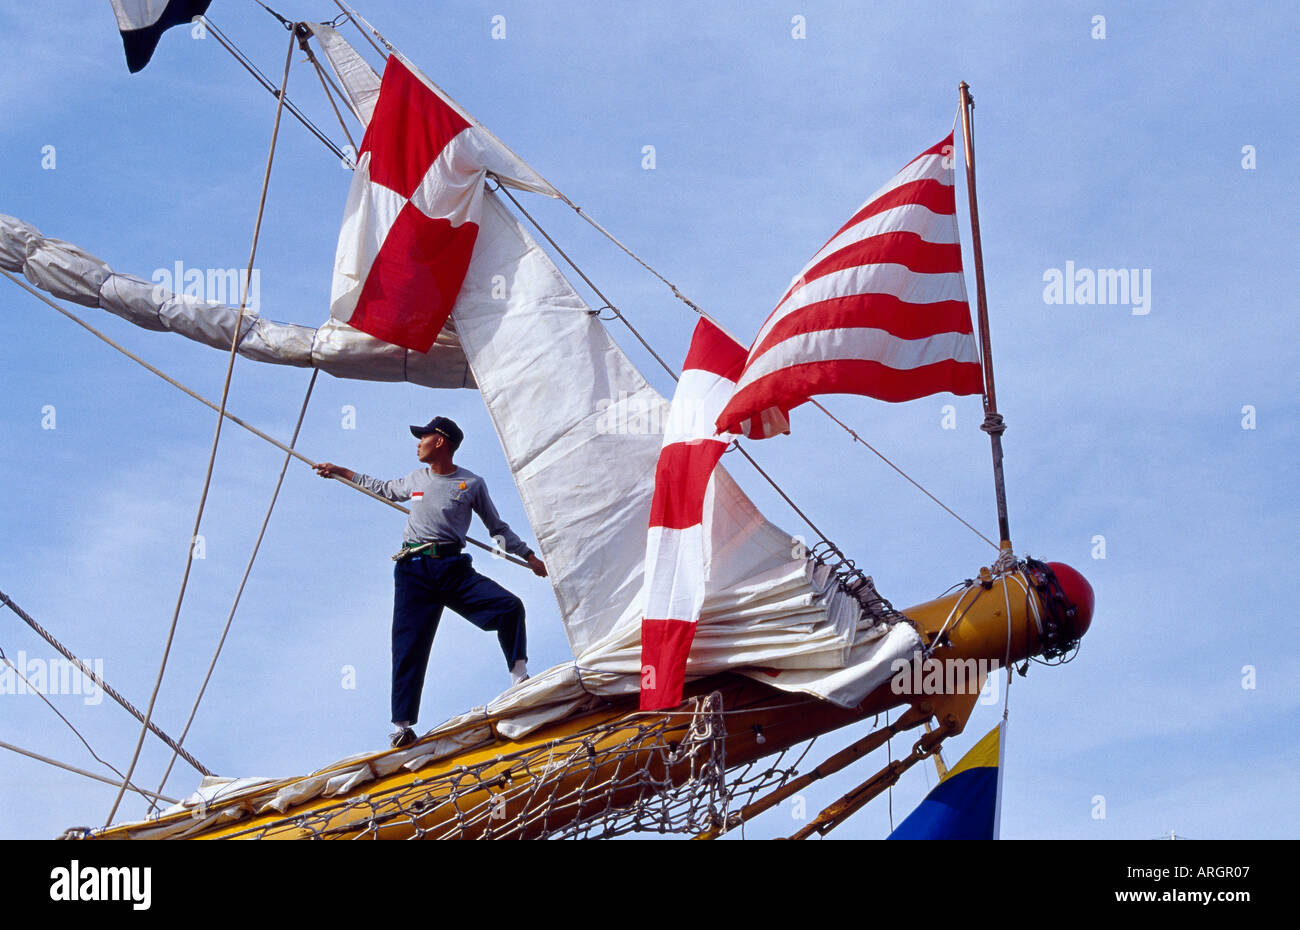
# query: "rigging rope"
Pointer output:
{"type": "Point", "coordinates": [248, 569]}
{"type": "Point", "coordinates": [889, 752]}
{"type": "Point", "coordinates": [30, 687]}
{"type": "Point", "coordinates": [1006, 600]}
{"type": "Point", "coordinates": [858, 438]}
{"type": "Point", "coordinates": [229, 45]}
{"type": "Point", "coordinates": [793, 506]}
{"type": "Point", "coordinates": [938, 638]}
{"type": "Point", "coordinates": [354, 16]}
{"type": "Point", "coordinates": [72, 768]}
{"type": "Point", "coordinates": [637, 258]}
{"type": "Point", "coordinates": [283, 22]}
{"type": "Point", "coordinates": [216, 436]}
{"type": "Point", "coordinates": [1006, 709]}
{"type": "Point", "coordinates": [304, 34]}
{"type": "Point", "coordinates": [130, 708]}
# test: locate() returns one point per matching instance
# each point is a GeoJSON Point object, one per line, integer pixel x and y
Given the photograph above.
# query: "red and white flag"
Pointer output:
{"type": "Point", "coordinates": [677, 557]}
{"type": "Point", "coordinates": [880, 310]}
{"type": "Point", "coordinates": [413, 210]}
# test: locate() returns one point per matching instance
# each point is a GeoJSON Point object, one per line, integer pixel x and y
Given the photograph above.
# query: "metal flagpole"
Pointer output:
{"type": "Point", "coordinates": [993, 424]}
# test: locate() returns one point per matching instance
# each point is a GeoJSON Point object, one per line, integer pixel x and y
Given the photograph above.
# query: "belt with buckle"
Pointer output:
{"type": "Point", "coordinates": [434, 550]}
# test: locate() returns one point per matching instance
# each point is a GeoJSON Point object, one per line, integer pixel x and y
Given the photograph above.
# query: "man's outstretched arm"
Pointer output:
{"type": "Point", "coordinates": [398, 489]}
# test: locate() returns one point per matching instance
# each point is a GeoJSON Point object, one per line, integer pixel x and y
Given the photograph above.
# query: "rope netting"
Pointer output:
{"type": "Point", "coordinates": [665, 775]}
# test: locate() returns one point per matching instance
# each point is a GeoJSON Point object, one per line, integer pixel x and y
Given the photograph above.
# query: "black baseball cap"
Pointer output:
{"type": "Point", "coordinates": [443, 427]}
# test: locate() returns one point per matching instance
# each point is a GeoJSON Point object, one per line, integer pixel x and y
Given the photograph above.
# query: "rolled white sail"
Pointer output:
{"type": "Point", "coordinates": [71, 273]}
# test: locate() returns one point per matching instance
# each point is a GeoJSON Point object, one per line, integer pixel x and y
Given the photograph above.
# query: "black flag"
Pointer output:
{"type": "Point", "coordinates": [142, 23]}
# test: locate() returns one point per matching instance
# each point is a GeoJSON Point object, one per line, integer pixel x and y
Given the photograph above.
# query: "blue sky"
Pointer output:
{"type": "Point", "coordinates": [1117, 152]}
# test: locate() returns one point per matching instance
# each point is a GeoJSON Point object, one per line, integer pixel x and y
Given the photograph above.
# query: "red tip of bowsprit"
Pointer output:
{"type": "Point", "coordinates": [1078, 592]}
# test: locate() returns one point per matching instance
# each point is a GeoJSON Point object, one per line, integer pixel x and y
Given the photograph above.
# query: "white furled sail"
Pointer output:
{"type": "Point", "coordinates": [71, 273]}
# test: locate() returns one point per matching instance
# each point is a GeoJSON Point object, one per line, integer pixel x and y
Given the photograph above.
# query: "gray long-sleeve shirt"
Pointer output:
{"type": "Point", "coordinates": [441, 505]}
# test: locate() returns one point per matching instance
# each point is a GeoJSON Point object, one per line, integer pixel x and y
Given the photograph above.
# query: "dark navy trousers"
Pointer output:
{"type": "Point", "coordinates": [422, 587]}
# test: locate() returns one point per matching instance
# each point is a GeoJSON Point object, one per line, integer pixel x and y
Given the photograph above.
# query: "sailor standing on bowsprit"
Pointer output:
{"type": "Point", "coordinates": [432, 571]}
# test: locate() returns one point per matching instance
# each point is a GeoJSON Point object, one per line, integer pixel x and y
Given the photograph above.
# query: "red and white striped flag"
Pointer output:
{"type": "Point", "coordinates": [677, 556]}
{"type": "Point", "coordinates": [880, 310]}
{"type": "Point", "coordinates": [413, 211]}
